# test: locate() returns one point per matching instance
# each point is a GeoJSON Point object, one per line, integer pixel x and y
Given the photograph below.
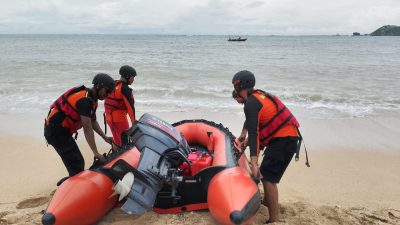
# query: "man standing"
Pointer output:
{"type": "Point", "coordinates": [75, 109]}
{"type": "Point", "coordinates": [270, 123]}
{"type": "Point", "coordinates": [120, 103]}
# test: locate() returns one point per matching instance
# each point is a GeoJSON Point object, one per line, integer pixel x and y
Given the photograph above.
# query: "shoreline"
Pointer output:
{"type": "Point", "coordinates": [374, 133]}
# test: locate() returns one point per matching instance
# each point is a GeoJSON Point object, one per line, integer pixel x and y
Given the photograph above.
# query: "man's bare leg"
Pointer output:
{"type": "Point", "coordinates": [271, 200]}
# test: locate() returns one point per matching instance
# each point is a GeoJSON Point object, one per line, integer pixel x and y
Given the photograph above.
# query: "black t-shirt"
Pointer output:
{"type": "Point", "coordinates": [84, 106]}
{"type": "Point", "coordinates": [251, 109]}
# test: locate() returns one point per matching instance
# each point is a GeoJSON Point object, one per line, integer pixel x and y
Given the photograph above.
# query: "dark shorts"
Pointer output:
{"type": "Point", "coordinates": [64, 144]}
{"type": "Point", "coordinates": [277, 157]}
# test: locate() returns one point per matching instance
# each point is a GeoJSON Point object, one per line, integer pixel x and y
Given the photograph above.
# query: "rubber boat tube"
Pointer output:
{"type": "Point", "coordinates": [85, 197]}
{"type": "Point", "coordinates": [225, 187]}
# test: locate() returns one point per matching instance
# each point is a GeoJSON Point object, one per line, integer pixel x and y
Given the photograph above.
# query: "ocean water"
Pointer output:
{"type": "Point", "coordinates": [316, 76]}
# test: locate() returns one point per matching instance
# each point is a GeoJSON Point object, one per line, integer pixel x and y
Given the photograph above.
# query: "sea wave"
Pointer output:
{"type": "Point", "coordinates": [319, 76]}
{"type": "Point", "coordinates": [154, 98]}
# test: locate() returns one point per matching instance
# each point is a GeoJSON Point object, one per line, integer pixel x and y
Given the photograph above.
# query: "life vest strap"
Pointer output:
{"type": "Point", "coordinates": [273, 118]}
{"type": "Point", "coordinates": [105, 123]}
{"type": "Point", "coordinates": [116, 99]}
{"type": "Point", "coordinates": [65, 101]}
{"type": "Point", "coordinates": [278, 128]}
{"type": "Point", "coordinates": [301, 140]}
{"type": "Point", "coordinates": [61, 111]}
{"type": "Point", "coordinates": [112, 106]}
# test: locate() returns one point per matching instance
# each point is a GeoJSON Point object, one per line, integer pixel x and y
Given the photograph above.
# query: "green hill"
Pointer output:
{"type": "Point", "coordinates": [388, 30]}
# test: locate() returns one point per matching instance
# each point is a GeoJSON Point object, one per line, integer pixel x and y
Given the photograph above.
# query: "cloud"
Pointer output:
{"type": "Point", "coordinates": [285, 17]}
{"type": "Point", "coordinates": [255, 4]}
{"type": "Point", "coordinates": [91, 16]}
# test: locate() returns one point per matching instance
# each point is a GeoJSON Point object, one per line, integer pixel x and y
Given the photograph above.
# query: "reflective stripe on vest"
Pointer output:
{"type": "Point", "coordinates": [282, 117]}
{"type": "Point", "coordinates": [66, 104]}
{"type": "Point", "coordinates": [115, 101]}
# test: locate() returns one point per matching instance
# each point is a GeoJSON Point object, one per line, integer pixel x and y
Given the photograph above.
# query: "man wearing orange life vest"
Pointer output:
{"type": "Point", "coordinates": [270, 123]}
{"type": "Point", "coordinates": [120, 103]}
{"type": "Point", "coordinates": [75, 109]}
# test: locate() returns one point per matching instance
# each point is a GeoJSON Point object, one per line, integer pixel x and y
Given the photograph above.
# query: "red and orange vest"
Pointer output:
{"type": "Point", "coordinates": [276, 120]}
{"type": "Point", "coordinates": [66, 104]}
{"type": "Point", "coordinates": [115, 101]}
{"type": "Point", "coordinates": [115, 106]}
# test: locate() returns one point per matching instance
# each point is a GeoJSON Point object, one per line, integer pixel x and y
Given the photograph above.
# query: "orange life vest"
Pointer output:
{"type": "Point", "coordinates": [115, 106]}
{"type": "Point", "coordinates": [115, 101]}
{"type": "Point", "coordinates": [66, 104]}
{"type": "Point", "coordinates": [282, 118]}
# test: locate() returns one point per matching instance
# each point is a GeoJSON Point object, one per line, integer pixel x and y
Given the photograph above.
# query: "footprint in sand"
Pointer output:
{"type": "Point", "coordinates": [394, 214]}
{"type": "Point", "coordinates": [3, 214]}
{"type": "Point", "coordinates": [32, 202]}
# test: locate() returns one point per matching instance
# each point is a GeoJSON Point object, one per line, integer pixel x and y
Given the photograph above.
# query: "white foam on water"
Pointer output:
{"type": "Point", "coordinates": [318, 77]}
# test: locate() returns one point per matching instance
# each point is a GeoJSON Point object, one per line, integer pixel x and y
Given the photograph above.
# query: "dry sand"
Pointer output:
{"type": "Point", "coordinates": [349, 182]}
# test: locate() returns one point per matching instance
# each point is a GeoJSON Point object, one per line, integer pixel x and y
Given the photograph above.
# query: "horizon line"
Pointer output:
{"type": "Point", "coordinates": [150, 34]}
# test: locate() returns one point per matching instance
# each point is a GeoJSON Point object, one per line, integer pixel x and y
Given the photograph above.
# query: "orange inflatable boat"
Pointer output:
{"type": "Point", "coordinates": [190, 165]}
{"type": "Point", "coordinates": [86, 197]}
{"type": "Point", "coordinates": [215, 179]}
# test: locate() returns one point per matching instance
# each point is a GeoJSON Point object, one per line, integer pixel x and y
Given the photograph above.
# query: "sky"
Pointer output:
{"type": "Point", "coordinates": [202, 17]}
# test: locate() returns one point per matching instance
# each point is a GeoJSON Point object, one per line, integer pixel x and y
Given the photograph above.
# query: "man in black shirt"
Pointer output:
{"type": "Point", "coordinates": [75, 109]}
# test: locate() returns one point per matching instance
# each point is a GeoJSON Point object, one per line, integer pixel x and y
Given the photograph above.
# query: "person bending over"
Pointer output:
{"type": "Point", "coordinates": [74, 109]}
{"type": "Point", "coordinates": [270, 123]}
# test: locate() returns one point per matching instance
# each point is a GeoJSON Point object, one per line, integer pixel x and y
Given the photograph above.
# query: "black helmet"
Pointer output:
{"type": "Point", "coordinates": [243, 79]}
{"type": "Point", "coordinates": [103, 80]}
{"type": "Point", "coordinates": [127, 71]}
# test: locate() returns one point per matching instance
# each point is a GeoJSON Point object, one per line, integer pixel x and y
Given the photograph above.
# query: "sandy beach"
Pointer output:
{"type": "Point", "coordinates": [334, 64]}
{"type": "Point", "coordinates": [353, 177]}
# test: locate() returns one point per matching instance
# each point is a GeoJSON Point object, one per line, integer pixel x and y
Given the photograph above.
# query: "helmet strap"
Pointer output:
{"type": "Point", "coordinates": [125, 78]}
{"type": "Point", "coordinates": [95, 91]}
{"type": "Point", "coordinates": [250, 91]}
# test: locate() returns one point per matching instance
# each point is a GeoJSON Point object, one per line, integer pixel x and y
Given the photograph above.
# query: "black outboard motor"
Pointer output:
{"type": "Point", "coordinates": [162, 149]}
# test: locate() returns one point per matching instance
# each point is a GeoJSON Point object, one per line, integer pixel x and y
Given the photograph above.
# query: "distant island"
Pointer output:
{"type": "Point", "coordinates": [388, 30]}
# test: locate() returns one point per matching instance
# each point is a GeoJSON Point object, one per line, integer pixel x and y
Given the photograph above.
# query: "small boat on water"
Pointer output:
{"type": "Point", "coordinates": [190, 165]}
{"type": "Point", "coordinates": [237, 39]}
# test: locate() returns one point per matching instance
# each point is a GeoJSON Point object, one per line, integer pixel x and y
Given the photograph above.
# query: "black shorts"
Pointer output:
{"type": "Point", "coordinates": [64, 144]}
{"type": "Point", "coordinates": [277, 157]}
